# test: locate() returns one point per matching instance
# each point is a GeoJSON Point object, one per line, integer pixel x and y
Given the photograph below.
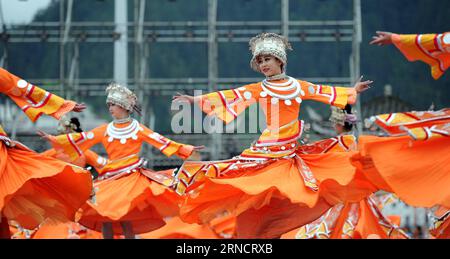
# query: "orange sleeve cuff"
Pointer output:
{"type": "Point", "coordinates": [352, 96]}
{"type": "Point", "coordinates": [405, 43]}
{"type": "Point", "coordinates": [396, 38]}
{"type": "Point", "coordinates": [65, 108]}
{"type": "Point", "coordinates": [185, 151]}
{"type": "Point", "coordinates": [205, 105]}
{"type": "Point", "coordinates": [342, 97]}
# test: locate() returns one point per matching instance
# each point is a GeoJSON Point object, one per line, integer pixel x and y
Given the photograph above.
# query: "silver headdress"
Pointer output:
{"type": "Point", "coordinates": [123, 97]}
{"type": "Point", "coordinates": [64, 124]}
{"type": "Point", "coordinates": [269, 44]}
{"type": "Point", "coordinates": [340, 116]}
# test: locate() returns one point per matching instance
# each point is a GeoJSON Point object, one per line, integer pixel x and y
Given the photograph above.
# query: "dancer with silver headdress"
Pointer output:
{"type": "Point", "coordinates": [129, 196]}
{"type": "Point", "coordinates": [270, 184]}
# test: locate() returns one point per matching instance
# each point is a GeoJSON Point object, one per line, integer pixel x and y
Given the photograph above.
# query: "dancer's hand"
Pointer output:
{"type": "Point", "coordinates": [197, 148]}
{"type": "Point", "coordinates": [44, 135]}
{"type": "Point", "coordinates": [79, 107]}
{"type": "Point", "coordinates": [183, 98]}
{"type": "Point", "coordinates": [195, 156]}
{"type": "Point", "coordinates": [362, 86]}
{"type": "Point", "coordinates": [382, 38]}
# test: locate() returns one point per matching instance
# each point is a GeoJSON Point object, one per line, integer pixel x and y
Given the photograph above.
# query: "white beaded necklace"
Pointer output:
{"type": "Point", "coordinates": [287, 86]}
{"type": "Point", "coordinates": [125, 133]}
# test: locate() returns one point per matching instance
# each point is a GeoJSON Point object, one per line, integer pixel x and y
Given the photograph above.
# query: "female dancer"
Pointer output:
{"type": "Point", "coordinates": [270, 184]}
{"type": "Point", "coordinates": [129, 196]}
{"type": "Point", "coordinates": [51, 229]}
{"type": "Point", "coordinates": [433, 49]}
{"type": "Point", "coordinates": [34, 187]}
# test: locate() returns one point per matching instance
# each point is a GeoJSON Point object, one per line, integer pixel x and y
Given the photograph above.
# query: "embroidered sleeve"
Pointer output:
{"type": "Point", "coordinates": [335, 96]}
{"type": "Point", "coordinates": [33, 100]}
{"type": "Point", "coordinates": [419, 125]}
{"type": "Point", "coordinates": [166, 146]}
{"type": "Point", "coordinates": [433, 49]}
{"type": "Point", "coordinates": [75, 144]}
{"type": "Point", "coordinates": [228, 104]}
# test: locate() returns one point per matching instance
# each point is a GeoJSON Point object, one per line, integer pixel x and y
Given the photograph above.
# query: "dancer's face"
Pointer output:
{"type": "Point", "coordinates": [117, 112]}
{"type": "Point", "coordinates": [269, 65]}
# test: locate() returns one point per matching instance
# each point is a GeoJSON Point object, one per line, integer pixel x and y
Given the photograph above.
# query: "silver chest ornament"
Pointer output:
{"type": "Point", "coordinates": [123, 134]}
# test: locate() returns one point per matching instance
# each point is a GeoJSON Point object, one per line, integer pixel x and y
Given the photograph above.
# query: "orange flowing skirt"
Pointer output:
{"type": "Point", "coordinates": [418, 172]}
{"type": "Point", "coordinates": [350, 221]}
{"type": "Point", "coordinates": [34, 187]}
{"type": "Point", "coordinates": [70, 230]}
{"type": "Point", "coordinates": [222, 227]}
{"type": "Point", "coordinates": [271, 200]}
{"type": "Point", "coordinates": [131, 198]}
{"type": "Point", "coordinates": [177, 229]}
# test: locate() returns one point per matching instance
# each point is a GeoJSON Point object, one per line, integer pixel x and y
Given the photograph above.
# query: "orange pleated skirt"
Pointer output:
{"type": "Point", "coordinates": [34, 187]}
{"type": "Point", "coordinates": [418, 172]}
{"type": "Point", "coordinates": [177, 229]}
{"type": "Point", "coordinates": [70, 230]}
{"type": "Point", "coordinates": [272, 200]}
{"type": "Point", "coordinates": [131, 198]}
{"type": "Point", "coordinates": [350, 221]}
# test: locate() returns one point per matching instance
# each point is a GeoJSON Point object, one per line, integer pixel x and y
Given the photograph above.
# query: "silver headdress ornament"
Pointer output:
{"type": "Point", "coordinates": [340, 116]}
{"type": "Point", "coordinates": [65, 123]}
{"type": "Point", "coordinates": [123, 97]}
{"type": "Point", "coordinates": [268, 43]}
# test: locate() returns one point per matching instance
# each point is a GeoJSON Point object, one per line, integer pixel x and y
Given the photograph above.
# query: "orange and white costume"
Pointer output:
{"type": "Point", "coordinates": [270, 184]}
{"type": "Point", "coordinates": [414, 162]}
{"type": "Point", "coordinates": [421, 142]}
{"type": "Point", "coordinates": [177, 229]}
{"type": "Point", "coordinates": [57, 230]}
{"type": "Point", "coordinates": [222, 227]}
{"type": "Point", "coordinates": [126, 190]}
{"type": "Point", "coordinates": [346, 220]}
{"type": "Point", "coordinates": [51, 229]}
{"type": "Point", "coordinates": [34, 187]}
{"type": "Point", "coordinates": [433, 49]}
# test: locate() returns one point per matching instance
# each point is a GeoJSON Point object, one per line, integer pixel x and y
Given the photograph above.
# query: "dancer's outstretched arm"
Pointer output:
{"type": "Point", "coordinates": [433, 48]}
{"type": "Point", "coordinates": [166, 146]}
{"type": "Point", "coordinates": [225, 104]}
{"type": "Point", "coordinates": [335, 95]}
{"type": "Point", "coordinates": [33, 100]}
{"type": "Point", "coordinates": [75, 144]}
